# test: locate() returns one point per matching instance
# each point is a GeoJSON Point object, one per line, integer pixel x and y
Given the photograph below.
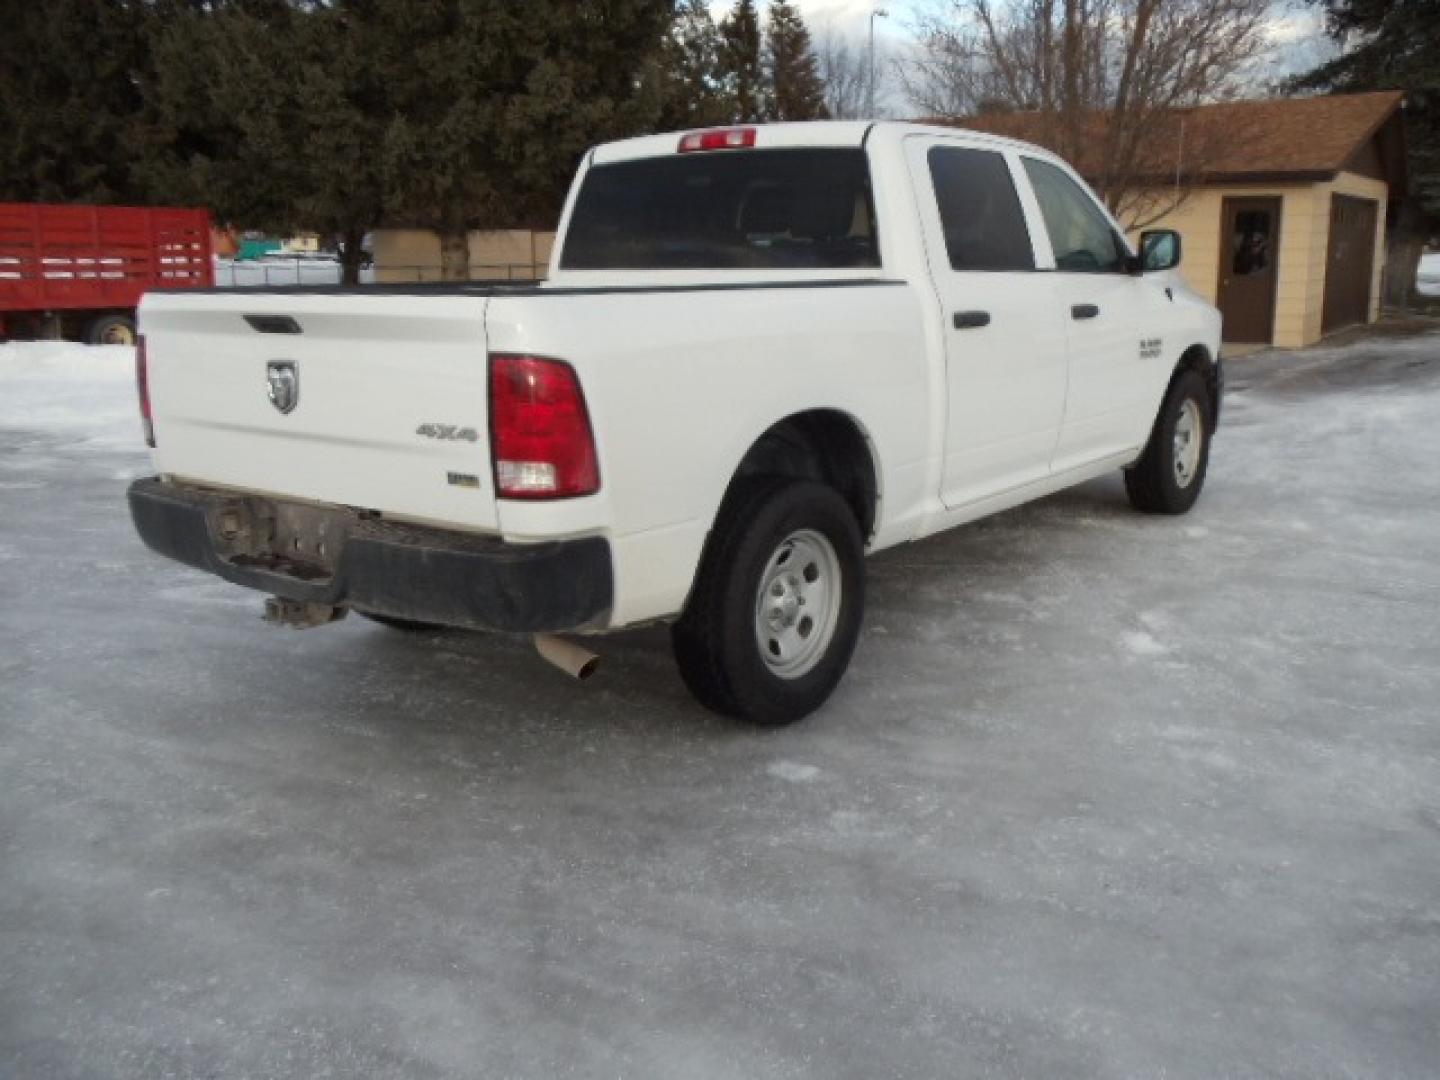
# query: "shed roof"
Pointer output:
{"type": "Point", "coordinates": [1283, 138]}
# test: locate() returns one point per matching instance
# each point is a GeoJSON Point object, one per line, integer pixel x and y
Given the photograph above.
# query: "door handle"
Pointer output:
{"type": "Point", "coordinates": [970, 320]}
{"type": "Point", "coordinates": [1084, 311]}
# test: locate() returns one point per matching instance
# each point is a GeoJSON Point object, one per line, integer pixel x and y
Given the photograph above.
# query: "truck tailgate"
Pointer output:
{"type": "Point", "coordinates": [389, 411]}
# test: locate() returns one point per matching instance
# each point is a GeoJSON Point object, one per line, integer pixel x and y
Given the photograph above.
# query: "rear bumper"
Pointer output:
{"type": "Point", "coordinates": [336, 556]}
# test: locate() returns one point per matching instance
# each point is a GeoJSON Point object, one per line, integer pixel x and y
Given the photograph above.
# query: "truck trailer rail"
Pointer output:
{"type": "Point", "coordinates": [79, 271]}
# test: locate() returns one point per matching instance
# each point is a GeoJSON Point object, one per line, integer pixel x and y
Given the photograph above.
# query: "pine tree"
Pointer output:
{"type": "Point", "coordinates": [693, 92]}
{"type": "Point", "coordinates": [1395, 45]}
{"type": "Point", "coordinates": [492, 103]}
{"type": "Point", "coordinates": [795, 90]}
{"type": "Point", "coordinates": [268, 113]}
{"type": "Point", "coordinates": [740, 57]}
{"type": "Point", "coordinates": [68, 99]}
{"type": "Point", "coordinates": [450, 115]}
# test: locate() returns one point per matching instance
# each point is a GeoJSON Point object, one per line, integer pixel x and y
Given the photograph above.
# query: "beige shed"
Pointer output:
{"type": "Point", "coordinates": [1282, 210]}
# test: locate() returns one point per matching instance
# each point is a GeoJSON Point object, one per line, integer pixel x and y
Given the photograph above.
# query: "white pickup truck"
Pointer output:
{"type": "Point", "coordinates": [761, 353]}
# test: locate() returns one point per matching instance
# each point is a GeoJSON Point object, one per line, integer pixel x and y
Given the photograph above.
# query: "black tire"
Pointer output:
{"type": "Point", "coordinates": [111, 330]}
{"type": "Point", "coordinates": [1153, 483]}
{"type": "Point", "coordinates": [716, 641]}
{"type": "Point", "coordinates": [410, 626]}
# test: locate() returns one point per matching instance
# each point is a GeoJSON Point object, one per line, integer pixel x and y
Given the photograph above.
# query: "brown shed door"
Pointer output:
{"type": "Point", "coordinates": [1249, 268]}
{"type": "Point", "coordinates": [1349, 262]}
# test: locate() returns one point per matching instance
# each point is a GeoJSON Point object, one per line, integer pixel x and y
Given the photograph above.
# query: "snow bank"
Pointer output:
{"type": "Point", "coordinates": [84, 393]}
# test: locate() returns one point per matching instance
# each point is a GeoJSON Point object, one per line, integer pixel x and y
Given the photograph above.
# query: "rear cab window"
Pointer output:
{"type": "Point", "coordinates": [980, 212]}
{"type": "Point", "coordinates": [747, 209]}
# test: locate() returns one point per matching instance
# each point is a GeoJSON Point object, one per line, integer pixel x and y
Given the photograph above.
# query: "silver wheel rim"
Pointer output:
{"type": "Point", "coordinates": [798, 604]}
{"type": "Point", "coordinates": [118, 335]}
{"type": "Point", "coordinates": [1189, 440]}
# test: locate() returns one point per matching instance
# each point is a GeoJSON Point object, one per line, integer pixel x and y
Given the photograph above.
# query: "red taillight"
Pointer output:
{"type": "Point", "coordinates": [718, 139]}
{"type": "Point", "coordinates": [142, 384]}
{"type": "Point", "coordinates": [540, 438]}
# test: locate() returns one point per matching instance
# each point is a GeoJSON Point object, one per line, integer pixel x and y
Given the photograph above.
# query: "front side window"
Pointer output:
{"type": "Point", "coordinates": [1081, 235]}
{"type": "Point", "coordinates": [979, 210]}
{"type": "Point", "coordinates": [763, 209]}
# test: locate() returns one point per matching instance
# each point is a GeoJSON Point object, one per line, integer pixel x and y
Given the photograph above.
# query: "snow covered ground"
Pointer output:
{"type": "Point", "coordinates": [82, 394]}
{"type": "Point", "coordinates": [1104, 795]}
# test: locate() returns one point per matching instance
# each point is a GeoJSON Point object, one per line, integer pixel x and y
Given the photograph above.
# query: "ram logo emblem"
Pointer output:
{"type": "Point", "coordinates": [282, 378]}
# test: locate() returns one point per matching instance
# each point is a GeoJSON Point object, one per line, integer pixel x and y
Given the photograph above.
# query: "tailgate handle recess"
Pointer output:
{"type": "Point", "coordinates": [273, 324]}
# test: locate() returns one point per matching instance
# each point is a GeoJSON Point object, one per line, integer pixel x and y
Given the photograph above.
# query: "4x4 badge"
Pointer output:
{"type": "Point", "coordinates": [283, 380]}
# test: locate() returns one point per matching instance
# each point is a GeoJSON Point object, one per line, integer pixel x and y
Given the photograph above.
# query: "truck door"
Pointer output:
{"type": "Point", "coordinates": [1002, 327]}
{"type": "Point", "coordinates": [1114, 319]}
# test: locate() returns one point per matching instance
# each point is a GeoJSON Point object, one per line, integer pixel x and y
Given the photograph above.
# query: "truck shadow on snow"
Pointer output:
{"type": "Point", "coordinates": [963, 595]}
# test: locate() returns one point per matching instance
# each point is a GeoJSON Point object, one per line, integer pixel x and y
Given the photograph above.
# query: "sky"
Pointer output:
{"type": "Point", "coordinates": [1292, 20]}
{"type": "Point", "coordinates": [848, 14]}
{"type": "Point", "coordinates": [1297, 31]}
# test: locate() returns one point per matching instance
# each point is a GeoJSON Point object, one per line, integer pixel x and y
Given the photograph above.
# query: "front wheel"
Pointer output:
{"type": "Point", "coordinates": [1169, 475]}
{"type": "Point", "coordinates": [777, 604]}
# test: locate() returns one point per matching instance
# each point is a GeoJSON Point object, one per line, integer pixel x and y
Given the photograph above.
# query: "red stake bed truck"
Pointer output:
{"type": "Point", "coordinates": [79, 271]}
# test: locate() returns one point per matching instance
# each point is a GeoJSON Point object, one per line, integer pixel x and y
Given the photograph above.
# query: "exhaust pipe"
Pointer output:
{"type": "Point", "coordinates": [570, 658]}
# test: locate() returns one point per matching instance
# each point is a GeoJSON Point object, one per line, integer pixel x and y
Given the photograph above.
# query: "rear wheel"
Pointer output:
{"type": "Point", "coordinates": [777, 604]}
{"type": "Point", "coordinates": [111, 330]}
{"type": "Point", "coordinates": [1169, 475]}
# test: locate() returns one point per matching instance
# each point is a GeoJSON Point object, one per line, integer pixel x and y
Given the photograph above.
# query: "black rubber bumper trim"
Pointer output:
{"type": "Point", "coordinates": [410, 572]}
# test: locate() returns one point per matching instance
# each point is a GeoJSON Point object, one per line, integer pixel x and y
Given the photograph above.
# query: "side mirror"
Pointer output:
{"type": "Point", "coordinates": [1159, 250]}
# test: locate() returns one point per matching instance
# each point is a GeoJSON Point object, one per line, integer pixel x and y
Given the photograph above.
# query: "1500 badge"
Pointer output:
{"type": "Point", "coordinates": [448, 432]}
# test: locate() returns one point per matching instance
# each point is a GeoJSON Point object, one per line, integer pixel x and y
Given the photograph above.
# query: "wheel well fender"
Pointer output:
{"type": "Point", "coordinates": [825, 445]}
{"type": "Point", "coordinates": [1197, 358]}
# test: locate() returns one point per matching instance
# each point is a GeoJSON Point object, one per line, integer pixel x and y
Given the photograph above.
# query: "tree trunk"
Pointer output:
{"type": "Point", "coordinates": [1406, 243]}
{"type": "Point", "coordinates": [352, 256]}
{"type": "Point", "coordinates": [1072, 127]}
{"type": "Point", "coordinates": [1121, 138]}
{"type": "Point", "coordinates": [455, 255]}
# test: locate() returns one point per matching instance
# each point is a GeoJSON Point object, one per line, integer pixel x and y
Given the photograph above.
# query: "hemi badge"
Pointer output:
{"type": "Point", "coordinates": [463, 479]}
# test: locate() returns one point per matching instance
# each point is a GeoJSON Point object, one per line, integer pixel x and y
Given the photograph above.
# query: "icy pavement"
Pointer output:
{"type": "Point", "coordinates": [1103, 796]}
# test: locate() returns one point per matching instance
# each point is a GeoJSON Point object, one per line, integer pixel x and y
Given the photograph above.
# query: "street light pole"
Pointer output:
{"type": "Point", "coordinates": [870, 107]}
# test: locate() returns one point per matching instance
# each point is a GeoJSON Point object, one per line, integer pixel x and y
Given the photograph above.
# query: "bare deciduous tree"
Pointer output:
{"type": "Point", "coordinates": [1104, 83]}
{"type": "Point", "coordinates": [845, 73]}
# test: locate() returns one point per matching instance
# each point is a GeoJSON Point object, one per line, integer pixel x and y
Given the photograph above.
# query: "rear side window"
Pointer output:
{"type": "Point", "coordinates": [1081, 235]}
{"type": "Point", "coordinates": [979, 210]}
{"type": "Point", "coordinates": [767, 209]}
